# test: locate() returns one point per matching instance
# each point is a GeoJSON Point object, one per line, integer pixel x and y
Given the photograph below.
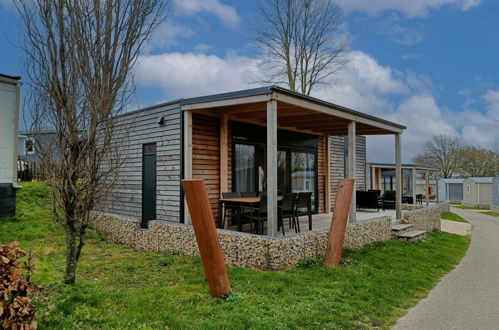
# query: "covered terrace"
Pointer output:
{"type": "Point", "coordinates": [215, 126]}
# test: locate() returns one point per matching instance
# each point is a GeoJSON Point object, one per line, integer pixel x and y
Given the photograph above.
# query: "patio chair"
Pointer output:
{"type": "Point", "coordinates": [233, 208]}
{"type": "Point", "coordinates": [304, 207]}
{"type": "Point", "coordinates": [249, 194]}
{"type": "Point", "coordinates": [419, 199]}
{"type": "Point", "coordinates": [368, 200]}
{"type": "Point", "coordinates": [388, 200]}
{"type": "Point", "coordinates": [287, 210]}
{"type": "Point", "coordinates": [259, 216]}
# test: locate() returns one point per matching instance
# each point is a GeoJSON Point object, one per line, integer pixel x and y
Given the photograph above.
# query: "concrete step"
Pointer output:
{"type": "Point", "coordinates": [401, 229]}
{"type": "Point", "coordinates": [413, 236]}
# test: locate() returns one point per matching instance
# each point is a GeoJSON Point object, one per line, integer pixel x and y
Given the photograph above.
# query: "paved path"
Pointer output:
{"type": "Point", "coordinates": [467, 297]}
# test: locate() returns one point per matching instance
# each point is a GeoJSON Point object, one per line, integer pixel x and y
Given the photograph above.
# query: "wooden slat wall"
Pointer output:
{"type": "Point", "coordinates": [321, 172]}
{"type": "Point", "coordinates": [131, 131]}
{"type": "Point", "coordinates": [206, 155]}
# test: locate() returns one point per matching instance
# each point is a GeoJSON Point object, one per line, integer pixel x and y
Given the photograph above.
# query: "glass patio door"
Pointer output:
{"type": "Point", "coordinates": [303, 174]}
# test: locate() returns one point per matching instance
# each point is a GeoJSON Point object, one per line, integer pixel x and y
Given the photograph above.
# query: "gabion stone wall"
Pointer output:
{"type": "Point", "coordinates": [257, 251]}
{"type": "Point", "coordinates": [426, 218]}
{"type": "Point", "coordinates": [240, 249]}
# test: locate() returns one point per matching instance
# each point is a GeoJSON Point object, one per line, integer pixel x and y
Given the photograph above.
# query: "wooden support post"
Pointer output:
{"type": "Point", "coordinates": [327, 192]}
{"type": "Point", "coordinates": [436, 187]}
{"type": "Point", "coordinates": [224, 152]}
{"type": "Point", "coordinates": [336, 236]}
{"type": "Point", "coordinates": [272, 168]}
{"type": "Point", "coordinates": [206, 237]}
{"type": "Point", "coordinates": [398, 178]}
{"type": "Point", "coordinates": [187, 157]}
{"type": "Point", "coordinates": [427, 187]}
{"type": "Point", "coordinates": [352, 167]}
{"type": "Point", "coordinates": [414, 186]}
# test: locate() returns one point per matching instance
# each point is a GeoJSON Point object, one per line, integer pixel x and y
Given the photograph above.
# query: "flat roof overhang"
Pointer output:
{"type": "Point", "coordinates": [404, 167]}
{"type": "Point", "coordinates": [295, 112]}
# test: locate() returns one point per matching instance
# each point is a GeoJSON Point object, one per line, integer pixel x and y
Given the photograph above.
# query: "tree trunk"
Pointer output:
{"type": "Point", "coordinates": [71, 256]}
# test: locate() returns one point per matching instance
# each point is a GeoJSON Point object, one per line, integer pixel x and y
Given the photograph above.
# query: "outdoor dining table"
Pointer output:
{"type": "Point", "coordinates": [241, 201]}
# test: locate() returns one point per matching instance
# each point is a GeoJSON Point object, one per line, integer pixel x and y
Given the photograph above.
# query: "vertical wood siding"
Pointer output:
{"type": "Point", "coordinates": [206, 155]}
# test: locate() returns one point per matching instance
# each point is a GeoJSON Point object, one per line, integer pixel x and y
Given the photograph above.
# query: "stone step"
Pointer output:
{"type": "Point", "coordinates": [401, 229]}
{"type": "Point", "coordinates": [413, 236]}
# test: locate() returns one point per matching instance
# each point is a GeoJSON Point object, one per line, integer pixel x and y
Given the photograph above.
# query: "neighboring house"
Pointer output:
{"type": "Point", "coordinates": [478, 192]}
{"type": "Point", "coordinates": [451, 189]}
{"type": "Point", "coordinates": [495, 194]}
{"type": "Point", "coordinates": [9, 127]}
{"type": "Point", "coordinates": [382, 177]}
{"type": "Point", "coordinates": [225, 139]}
{"type": "Point", "coordinates": [31, 144]}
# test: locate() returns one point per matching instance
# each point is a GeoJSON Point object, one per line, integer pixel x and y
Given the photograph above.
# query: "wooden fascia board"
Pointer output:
{"type": "Point", "coordinates": [227, 102]}
{"type": "Point", "coordinates": [337, 113]}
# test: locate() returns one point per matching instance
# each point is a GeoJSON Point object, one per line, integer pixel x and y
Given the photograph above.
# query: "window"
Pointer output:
{"type": "Point", "coordinates": [29, 146]}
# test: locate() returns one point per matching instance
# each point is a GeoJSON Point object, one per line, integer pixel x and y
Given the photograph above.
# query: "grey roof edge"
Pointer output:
{"type": "Point", "coordinates": [270, 89]}
{"type": "Point", "coordinates": [15, 80]}
{"type": "Point", "coordinates": [404, 165]}
{"type": "Point", "coordinates": [481, 179]}
{"type": "Point", "coordinates": [152, 107]}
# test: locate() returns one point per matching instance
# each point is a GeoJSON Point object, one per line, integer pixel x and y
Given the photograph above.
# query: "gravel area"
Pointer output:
{"type": "Point", "coordinates": [456, 227]}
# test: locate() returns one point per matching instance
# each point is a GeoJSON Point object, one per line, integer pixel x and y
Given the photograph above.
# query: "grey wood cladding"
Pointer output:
{"type": "Point", "coordinates": [132, 131]}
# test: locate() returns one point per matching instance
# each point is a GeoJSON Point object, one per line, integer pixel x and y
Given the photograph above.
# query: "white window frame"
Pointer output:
{"type": "Point", "coordinates": [32, 152]}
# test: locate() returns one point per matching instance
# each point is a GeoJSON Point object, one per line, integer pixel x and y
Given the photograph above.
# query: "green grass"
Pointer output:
{"type": "Point", "coordinates": [468, 207]}
{"type": "Point", "coordinates": [453, 217]}
{"type": "Point", "coordinates": [118, 287]}
{"type": "Point", "coordinates": [494, 214]}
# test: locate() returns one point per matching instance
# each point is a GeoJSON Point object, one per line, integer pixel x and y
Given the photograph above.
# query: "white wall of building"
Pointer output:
{"type": "Point", "coordinates": [9, 127]}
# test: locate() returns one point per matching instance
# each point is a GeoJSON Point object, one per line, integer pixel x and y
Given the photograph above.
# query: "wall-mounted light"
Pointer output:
{"type": "Point", "coordinates": [161, 120]}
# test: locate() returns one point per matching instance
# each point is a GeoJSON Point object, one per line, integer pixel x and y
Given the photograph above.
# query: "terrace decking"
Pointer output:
{"type": "Point", "coordinates": [321, 221]}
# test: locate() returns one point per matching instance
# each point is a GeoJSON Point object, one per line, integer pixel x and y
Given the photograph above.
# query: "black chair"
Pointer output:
{"type": "Point", "coordinates": [304, 207]}
{"type": "Point", "coordinates": [368, 200]}
{"type": "Point", "coordinates": [249, 194]}
{"type": "Point", "coordinates": [234, 208]}
{"type": "Point", "coordinates": [419, 199]}
{"type": "Point", "coordinates": [388, 200]}
{"type": "Point", "coordinates": [259, 215]}
{"type": "Point", "coordinates": [287, 210]}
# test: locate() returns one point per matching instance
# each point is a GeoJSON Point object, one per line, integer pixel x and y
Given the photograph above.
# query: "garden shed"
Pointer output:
{"type": "Point", "coordinates": [451, 189]}
{"type": "Point", "coordinates": [477, 192]}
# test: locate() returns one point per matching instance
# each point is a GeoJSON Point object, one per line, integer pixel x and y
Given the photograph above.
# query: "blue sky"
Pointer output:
{"type": "Point", "coordinates": [432, 65]}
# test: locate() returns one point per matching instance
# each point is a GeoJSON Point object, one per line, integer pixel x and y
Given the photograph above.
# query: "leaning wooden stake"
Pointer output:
{"type": "Point", "coordinates": [206, 237]}
{"type": "Point", "coordinates": [338, 227]}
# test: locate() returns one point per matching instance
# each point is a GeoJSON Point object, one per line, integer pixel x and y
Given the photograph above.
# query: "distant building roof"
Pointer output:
{"type": "Point", "coordinates": [452, 180]}
{"type": "Point", "coordinates": [487, 179]}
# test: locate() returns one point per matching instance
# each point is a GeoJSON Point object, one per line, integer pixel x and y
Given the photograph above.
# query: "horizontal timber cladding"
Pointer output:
{"type": "Point", "coordinates": [131, 132]}
{"type": "Point", "coordinates": [338, 160]}
{"type": "Point", "coordinates": [206, 155]}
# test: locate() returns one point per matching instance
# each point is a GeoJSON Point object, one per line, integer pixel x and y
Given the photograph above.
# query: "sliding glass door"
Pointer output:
{"type": "Point", "coordinates": [245, 171]}
{"type": "Point", "coordinates": [303, 173]}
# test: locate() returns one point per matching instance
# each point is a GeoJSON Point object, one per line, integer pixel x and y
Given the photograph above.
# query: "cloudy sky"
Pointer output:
{"type": "Point", "coordinates": [432, 65]}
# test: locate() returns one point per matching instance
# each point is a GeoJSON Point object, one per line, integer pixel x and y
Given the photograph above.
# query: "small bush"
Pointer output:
{"type": "Point", "coordinates": [16, 309]}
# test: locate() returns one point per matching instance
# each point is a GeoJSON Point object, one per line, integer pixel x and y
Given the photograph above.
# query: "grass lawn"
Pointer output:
{"type": "Point", "coordinates": [118, 287]}
{"type": "Point", "coordinates": [453, 217]}
{"type": "Point", "coordinates": [467, 207]}
{"type": "Point", "coordinates": [494, 214]}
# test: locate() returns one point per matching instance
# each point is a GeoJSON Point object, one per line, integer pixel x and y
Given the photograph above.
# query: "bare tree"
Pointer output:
{"type": "Point", "coordinates": [301, 42]}
{"type": "Point", "coordinates": [473, 161]}
{"type": "Point", "coordinates": [441, 151]}
{"type": "Point", "coordinates": [79, 57]}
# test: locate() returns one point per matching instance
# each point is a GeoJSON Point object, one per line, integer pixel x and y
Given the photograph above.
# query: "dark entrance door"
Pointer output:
{"type": "Point", "coordinates": [148, 183]}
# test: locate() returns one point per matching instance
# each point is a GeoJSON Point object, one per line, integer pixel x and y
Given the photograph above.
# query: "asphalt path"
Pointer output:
{"type": "Point", "coordinates": [467, 297]}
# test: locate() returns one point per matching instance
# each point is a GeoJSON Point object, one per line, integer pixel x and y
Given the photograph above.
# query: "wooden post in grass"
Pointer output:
{"type": "Point", "coordinates": [338, 227]}
{"type": "Point", "coordinates": [206, 237]}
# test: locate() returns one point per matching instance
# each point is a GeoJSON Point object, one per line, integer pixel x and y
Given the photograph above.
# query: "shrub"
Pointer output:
{"type": "Point", "coordinates": [16, 309]}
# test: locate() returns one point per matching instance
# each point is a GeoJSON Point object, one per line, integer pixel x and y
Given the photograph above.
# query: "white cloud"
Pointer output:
{"type": "Point", "coordinates": [167, 34]}
{"type": "Point", "coordinates": [411, 8]}
{"type": "Point", "coordinates": [227, 14]}
{"type": "Point", "coordinates": [194, 74]}
{"type": "Point", "coordinates": [366, 86]}
{"type": "Point", "coordinates": [399, 33]}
